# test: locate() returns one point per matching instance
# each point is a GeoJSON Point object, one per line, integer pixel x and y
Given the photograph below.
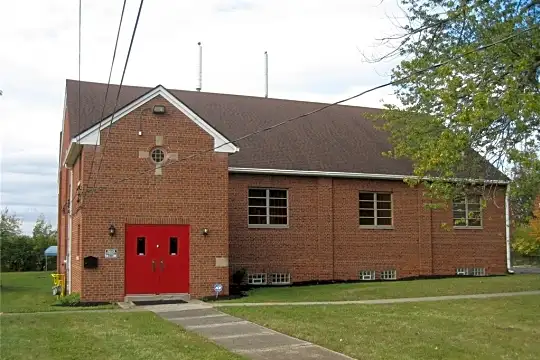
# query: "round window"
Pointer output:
{"type": "Point", "coordinates": [157, 155]}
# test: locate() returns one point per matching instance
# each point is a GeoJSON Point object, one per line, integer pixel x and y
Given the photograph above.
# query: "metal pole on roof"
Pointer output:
{"type": "Point", "coordinates": [199, 88]}
{"type": "Point", "coordinates": [266, 74]}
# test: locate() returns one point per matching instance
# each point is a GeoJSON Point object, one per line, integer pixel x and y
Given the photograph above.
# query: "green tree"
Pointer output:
{"type": "Point", "coordinates": [526, 239]}
{"type": "Point", "coordinates": [43, 236]}
{"type": "Point", "coordinates": [486, 100]}
{"type": "Point", "coordinates": [10, 225]}
{"type": "Point", "coordinates": [21, 252]}
{"type": "Point", "coordinates": [525, 190]}
{"type": "Point", "coordinates": [10, 231]}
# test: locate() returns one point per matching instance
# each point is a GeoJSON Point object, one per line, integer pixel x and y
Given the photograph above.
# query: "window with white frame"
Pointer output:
{"type": "Point", "coordinates": [479, 272]}
{"type": "Point", "coordinates": [467, 211]}
{"type": "Point", "coordinates": [268, 207]}
{"type": "Point", "coordinates": [388, 275]}
{"type": "Point", "coordinates": [375, 209]}
{"type": "Point", "coordinates": [257, 279]}
{"type": "Point", "coordinates": [280, 278]}
{"type": "Point", "coordinates": [367, 275]}
{"type": "Point", "coordinates": [462, 271]}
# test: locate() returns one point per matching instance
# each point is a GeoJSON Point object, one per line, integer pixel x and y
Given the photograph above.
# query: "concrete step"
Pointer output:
{"type": "Point", "coordinates": [154, 298]}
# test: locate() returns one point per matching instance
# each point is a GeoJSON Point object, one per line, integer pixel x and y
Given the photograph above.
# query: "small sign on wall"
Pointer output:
{"type": "Point", "coordinates": [111, 253]}
{"type": "Point", "coordinates": [217, 289]}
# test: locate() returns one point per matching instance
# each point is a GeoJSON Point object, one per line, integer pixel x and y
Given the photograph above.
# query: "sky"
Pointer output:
{"type": "Point", "coordinates": [317, 52]}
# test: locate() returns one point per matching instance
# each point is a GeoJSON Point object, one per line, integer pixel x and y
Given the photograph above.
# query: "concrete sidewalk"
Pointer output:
{"type": "Point", "coordinates": [379, 301]}
{"type": "Point", "coordinates": [240, 336]}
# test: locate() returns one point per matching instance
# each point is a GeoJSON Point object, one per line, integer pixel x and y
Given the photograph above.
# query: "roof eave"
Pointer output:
{"type": "Point", "coordinates": [72, 154]}
{"type": "Point", "coordinates": [353, 175]}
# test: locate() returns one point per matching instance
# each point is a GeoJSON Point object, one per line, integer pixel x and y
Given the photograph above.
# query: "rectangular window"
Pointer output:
{"type": "Point", "coordinates": [375, 209]}
{"type": "Point", "coordinates": [467, 211]}
{"type": "Point", "coordinates": [267, 207]}
{"type": "Point", "coordinates": [479, 272]}
{"type": "Point", "coordinates": [257, 279]}
{"type": "Point", "coordinates": [141, 246]}
{"type": "Point", "coordinates": [367, 275]}
{"type": "Point", "coordinates": [173, 246]}
{"type": "Point", "coordinates": [280, 278]}
{"type": "Point", "coordinates": [462, 271]}
{"type": "Point", "coordinates": [388, 275]}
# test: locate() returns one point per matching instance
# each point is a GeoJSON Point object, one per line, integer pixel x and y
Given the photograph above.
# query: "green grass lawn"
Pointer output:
{"type": "Point", "coordinates": [395, 289]}
{"type": "Point", "coordinates": [32, 292]}
{"type": "Point", "coordinates": [111, 336]}
{"type": "Point", "coordinates": [487, 329]}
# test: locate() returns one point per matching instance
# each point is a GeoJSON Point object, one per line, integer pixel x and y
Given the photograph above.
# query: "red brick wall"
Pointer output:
{"type": "Point", "coordinates": [76, 231]}
{"type": "Point", "coordinates": [192, 192]}
{"type": "Point", "coordinates": [324, 241]}
{"type": "Point", "coordinates": [469, 248]}
{"type": "Point", "coordinates": [303, 249]}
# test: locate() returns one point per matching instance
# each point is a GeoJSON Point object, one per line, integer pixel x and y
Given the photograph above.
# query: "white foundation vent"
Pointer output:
{"type": "Point", "coordinates": [479, 272]}
{"type": "Point", "coordinates": [280, 278]}
{"type": "Point", "coordinates": [257, 279]}
{"type": "Point", "coordinates": [367, 275]}
{"type": "Point", "coordinates": [388, 274]}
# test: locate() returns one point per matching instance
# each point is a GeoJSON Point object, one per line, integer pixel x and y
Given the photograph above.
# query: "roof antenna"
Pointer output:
{"type": "Point", "coordinates": [200, 67]}
{"type": "Point", "coordinates": [266, 74]}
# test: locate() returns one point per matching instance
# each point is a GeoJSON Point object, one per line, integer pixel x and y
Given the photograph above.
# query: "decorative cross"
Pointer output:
{"type": "Point", "coordinates": [143, 154]}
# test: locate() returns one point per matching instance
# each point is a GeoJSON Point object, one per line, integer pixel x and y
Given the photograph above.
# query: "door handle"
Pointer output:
{"type": "Point", "coordinates": [162, 265]}
{"type": "Point", "coordinates": [153, 266]}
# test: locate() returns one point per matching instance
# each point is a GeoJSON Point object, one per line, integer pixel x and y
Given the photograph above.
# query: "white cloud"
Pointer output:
{"type": "Point", "coordinates": [313, 51]}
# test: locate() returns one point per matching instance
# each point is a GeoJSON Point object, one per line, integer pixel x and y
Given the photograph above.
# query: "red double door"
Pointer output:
{"type": "Point", "coordinates": [157, 259]}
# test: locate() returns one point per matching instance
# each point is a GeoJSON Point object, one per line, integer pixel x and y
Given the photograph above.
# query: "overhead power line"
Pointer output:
{"type": "Point", "coordinates": [107, 90]}
{"type": "Point", "coordinates": [393, 82]}
{"type": "Point", "coordinates": [119, 89]}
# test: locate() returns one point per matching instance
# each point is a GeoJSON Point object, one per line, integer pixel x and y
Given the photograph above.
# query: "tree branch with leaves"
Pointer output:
{"type": "Point", "coordinates": [479, 114]}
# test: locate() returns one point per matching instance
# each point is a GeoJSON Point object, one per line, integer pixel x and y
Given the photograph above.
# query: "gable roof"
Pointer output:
{"type": "Point", "coordinates": [340, 139]}
{"type": "Point", "coordinates": [92, 135]}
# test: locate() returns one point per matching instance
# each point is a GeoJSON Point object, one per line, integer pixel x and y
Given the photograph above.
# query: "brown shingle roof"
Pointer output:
{"type": "Point", "coordinates": [339, 138]}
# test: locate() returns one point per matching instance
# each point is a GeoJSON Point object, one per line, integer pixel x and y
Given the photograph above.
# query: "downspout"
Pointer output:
{"type": "Point", "coordinates": [507, 221]}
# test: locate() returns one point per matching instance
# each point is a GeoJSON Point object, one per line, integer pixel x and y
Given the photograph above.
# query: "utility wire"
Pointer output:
{"type": "Point", "coordinates": [393, 82]}
{"type": "Point", "coordinates": [107, 90]}
{"type": "Point", "coordinates": [79, 89]}
{"type": "Point", "coordinates": [119, 88]}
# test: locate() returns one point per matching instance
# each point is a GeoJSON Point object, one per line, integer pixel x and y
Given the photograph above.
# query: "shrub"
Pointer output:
{"type": "Point", "coordinates": [72, 299]}
{"type": "Point", "coordinates": [239, 276]}
{"type": "Point", "coordinates": [526, 239]}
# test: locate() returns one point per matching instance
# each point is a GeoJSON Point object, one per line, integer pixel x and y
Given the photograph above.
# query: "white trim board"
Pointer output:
{"type": "Point", "coordinates": [72, 154]}
{"type": "Point", "coordinates": [92, 135]}
{"type": "Point", "coordinates": [345, 175]}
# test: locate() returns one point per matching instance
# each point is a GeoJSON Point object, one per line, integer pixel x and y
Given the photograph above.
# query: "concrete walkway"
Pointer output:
{"type": "Point", "coordinates": [257, 342]}
{"type": "Point", "coordinates": [380, 301]}
{"type": "Point", "coordinates": [240, 336]}
{"type": "Point", "coordinates": [526, 270]}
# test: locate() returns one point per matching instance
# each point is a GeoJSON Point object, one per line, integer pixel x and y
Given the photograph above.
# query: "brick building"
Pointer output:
{"type": "Point", "coordinates": [158, 200]}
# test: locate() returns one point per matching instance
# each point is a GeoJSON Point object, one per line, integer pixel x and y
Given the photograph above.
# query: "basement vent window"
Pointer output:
{"type": "Point", "coordinates": [462, 271]}
{"type": "Point", "coordinates": [479, 272]}
{"type": "Point", "coordinates": [367, 275]}
{"type": "Point", "coordinates": [388, 275]}
{"type": "Point", "coordinates": [280, 278]}
{"type": "Point", "coordinates": [257, 279]}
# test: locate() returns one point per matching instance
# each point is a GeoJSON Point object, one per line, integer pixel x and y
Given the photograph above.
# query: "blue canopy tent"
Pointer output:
{"type": "Point", "coordinates": [50, 251]}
